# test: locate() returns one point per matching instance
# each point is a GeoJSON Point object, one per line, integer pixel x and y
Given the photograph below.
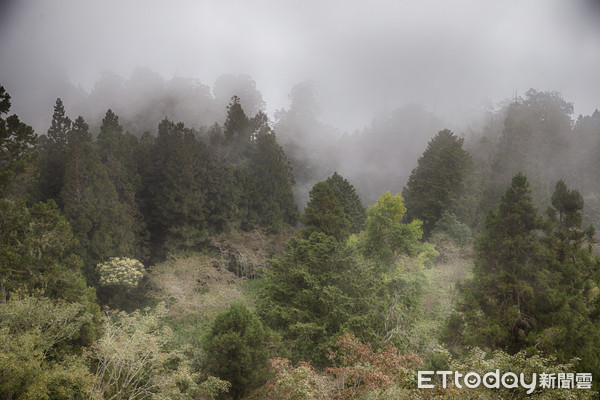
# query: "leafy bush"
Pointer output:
{"type": "Point", "coordinates": [459, 233]}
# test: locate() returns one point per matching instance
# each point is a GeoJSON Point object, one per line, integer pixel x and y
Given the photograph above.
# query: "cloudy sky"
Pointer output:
{"type": "Point", "coordinates": [364, 56]}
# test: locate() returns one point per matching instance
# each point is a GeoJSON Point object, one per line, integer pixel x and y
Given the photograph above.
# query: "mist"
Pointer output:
{"type": "Point", "coordinates": [371, 72]}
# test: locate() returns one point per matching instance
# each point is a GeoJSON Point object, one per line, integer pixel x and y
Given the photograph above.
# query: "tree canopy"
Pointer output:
{"type": "Point", "coordinates": [436, 183]}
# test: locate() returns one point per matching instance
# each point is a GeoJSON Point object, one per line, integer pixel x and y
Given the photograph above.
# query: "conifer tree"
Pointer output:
{"type": "Point", "coordinates": [315, 291]}
{"type": "Point", "coordinates": [91, 204]}
{"type": "Point", "coordinates": [533, 281]}
{"type": "Point", "coordinates": [433, 187]}
{"type": "Point", "coordinates": [267, 181]}
{"type": "Point", "coordinates": [498, 301]}
{"type": "Point", "coordinates": [350, 201]}
{"type": "Point", "coordinates": [53, 153]}
{"type": "Point", "coordinates": [236, 350]}
{"type": "Point", "coordinates": [117, 151]}
{"type": "Point", "coordinates": [324, 212]}
{"type": "Point", "coordinates": [178, 217]}
{"type": "Point", "coordinates": [237, 124]}
{"type": "Point", "coordinates": [37, 253]}
{"type": "Point", "coordinates": [18, 153]}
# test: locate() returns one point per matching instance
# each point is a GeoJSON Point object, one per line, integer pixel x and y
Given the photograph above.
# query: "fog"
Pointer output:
{"type": "Point", "coordinates": [366, 61]}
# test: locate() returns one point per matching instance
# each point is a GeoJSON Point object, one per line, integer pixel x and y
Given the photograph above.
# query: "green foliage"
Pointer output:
{"type": "Point", "coordinates": [385, 236]}
{"type": "Point", "coordinates": [449, 225]}
{"type": "Point", "coordinates": [36, 246]}
{"type": "Point", "coordinates": [91, 204]}
{"type": "Point", "coordinates": [434, 186]}
{"type": "Point", "coordinates": [121, 271]}
{"type": "Point", "coordinates": [177, 215]}
{"type": "Point", "coordinates": [359, 372]}
{"type": "Point", "coordinates": [324, 212]}
{"type": "Point", "coordinates": [315, 291]}
{"type": "Point", "coordinates": [267, 181]}
{"type": "Point", "coordinates": [117, 151]}
{"type": "Point", "coordinates": [18, 153]}
{"type": "Point", "coordinates": [135, 359]}
{"type": "Point", "coordinates": [532, 291]}
{"type": "Point", "coordinates": [481, 362]}
{"type": "Point", "coordinates": [349, 200]}
{"type": "Point", "coordinates": [370, 285]}
{"type": "Point", "coordinates": [192, 189]}
{"type": "Point", "coordinates": [35, 360]}
{"type": "Point", "coordinates": [53, 153]}
{"type": "Point", "coordinates": [568, 204]}
{"type": "Point", "coordinates": [334, 208]}
{"type": "Point", "coordinates": [499, 302]}
{"type": "Point", "coordinates": [236, 349]}
{"type": "Point", "coordinates": [237, 123]}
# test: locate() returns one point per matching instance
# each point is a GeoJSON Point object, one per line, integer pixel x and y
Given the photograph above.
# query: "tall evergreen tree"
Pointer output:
{"type": "Point", "coordinates": [18, 153]}
{"type": "Point", "coordinates": [324, 212]}
{"type": "Point", "coordinates": [36, 253]}
{"type": "Point", "coordinates": [433, 187]}
{"type": "Point", "coordinates": [236, 350]}
{"type": "Point", "coordinates": [534, 141]}
{"type": "Point", "coordinates": [499, 300]}
{"type": "Point", "coordinates": [117, 151]}
{"type": "Point", "coordinates": [178, 218]}
{"type": "Point", "coordinates": [222, 193]}
{"type": "Point", "coordinates": [267, 181]}
{"type": "Point", "coordinates": [53, 153]}
{"type": "Point", "coordinates": [317, 290]}
{"type": "Point", "coordinates": [350, 201]}
{"type": "Point", "coordinates": [91, 204]}
{"type": "Point", "coordinates": [237, 124]}
{"type": "Point", "coordinates": [533, 282]}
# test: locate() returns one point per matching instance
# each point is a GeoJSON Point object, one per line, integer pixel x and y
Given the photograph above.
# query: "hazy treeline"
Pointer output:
{"type": "Point", "coordinates": [377, 158]}
{"type": "Point", "coordinates": [112, 215]}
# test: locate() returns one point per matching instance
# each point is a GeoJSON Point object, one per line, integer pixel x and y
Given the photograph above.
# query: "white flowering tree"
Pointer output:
{"type": "Point", "coordinates": [121, 271]}
{"type": "Point", "coordinates": [120, 283]}
{"type": "Point", "coordinates": [136, 359]}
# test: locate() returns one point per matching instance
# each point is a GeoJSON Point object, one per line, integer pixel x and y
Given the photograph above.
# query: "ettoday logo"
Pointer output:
{"type": "Point", "coordinates": [508, 380]}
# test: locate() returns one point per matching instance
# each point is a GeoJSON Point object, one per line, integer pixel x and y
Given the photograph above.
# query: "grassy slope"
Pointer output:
{"type": "Point", "coordinates": [438, 299]}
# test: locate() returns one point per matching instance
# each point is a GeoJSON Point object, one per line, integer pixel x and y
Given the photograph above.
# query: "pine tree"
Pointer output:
{"type": "Point", "coordinates": [433, 187]}
{"type": "Point", "coordinates": [177, 199]}
{"type": "Point", "coordinates": [533, 281]}
{"type": "Point", "coordinates": [91, 204]}
{"type": "Point", "coordinates": [324, 212]}
{"type": "Point", "coordinates": [236, 350]}
{"type": "Point", "coordinates": [53, 153]}
{"type": "Point", "coordinates": [267, 182]}
{"type": "Point", "coordinates": [315, 291]}
{"type": "Point", "coordinates": [18, 153]}
{"type": "Point", "coordinates": [350, 201]}
{"type": "Point", "coordinates": [117, 151]}
{"type": "Point", "coordinates": [499, 301]}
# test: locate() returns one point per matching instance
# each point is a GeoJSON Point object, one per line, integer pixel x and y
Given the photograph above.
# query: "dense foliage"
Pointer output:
{"type": "Point", "coordinates": [435, 185]}
{"type": "Point", "coordinates": [236, 349]}
{"type": "Point", "coordinates": [534, 282]}
{"type": "Point", "coordinates": [196, 225]}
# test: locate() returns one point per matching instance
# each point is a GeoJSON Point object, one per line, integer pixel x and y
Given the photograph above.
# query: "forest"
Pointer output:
{"type": "Point", "coordinates": [193, 248]}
